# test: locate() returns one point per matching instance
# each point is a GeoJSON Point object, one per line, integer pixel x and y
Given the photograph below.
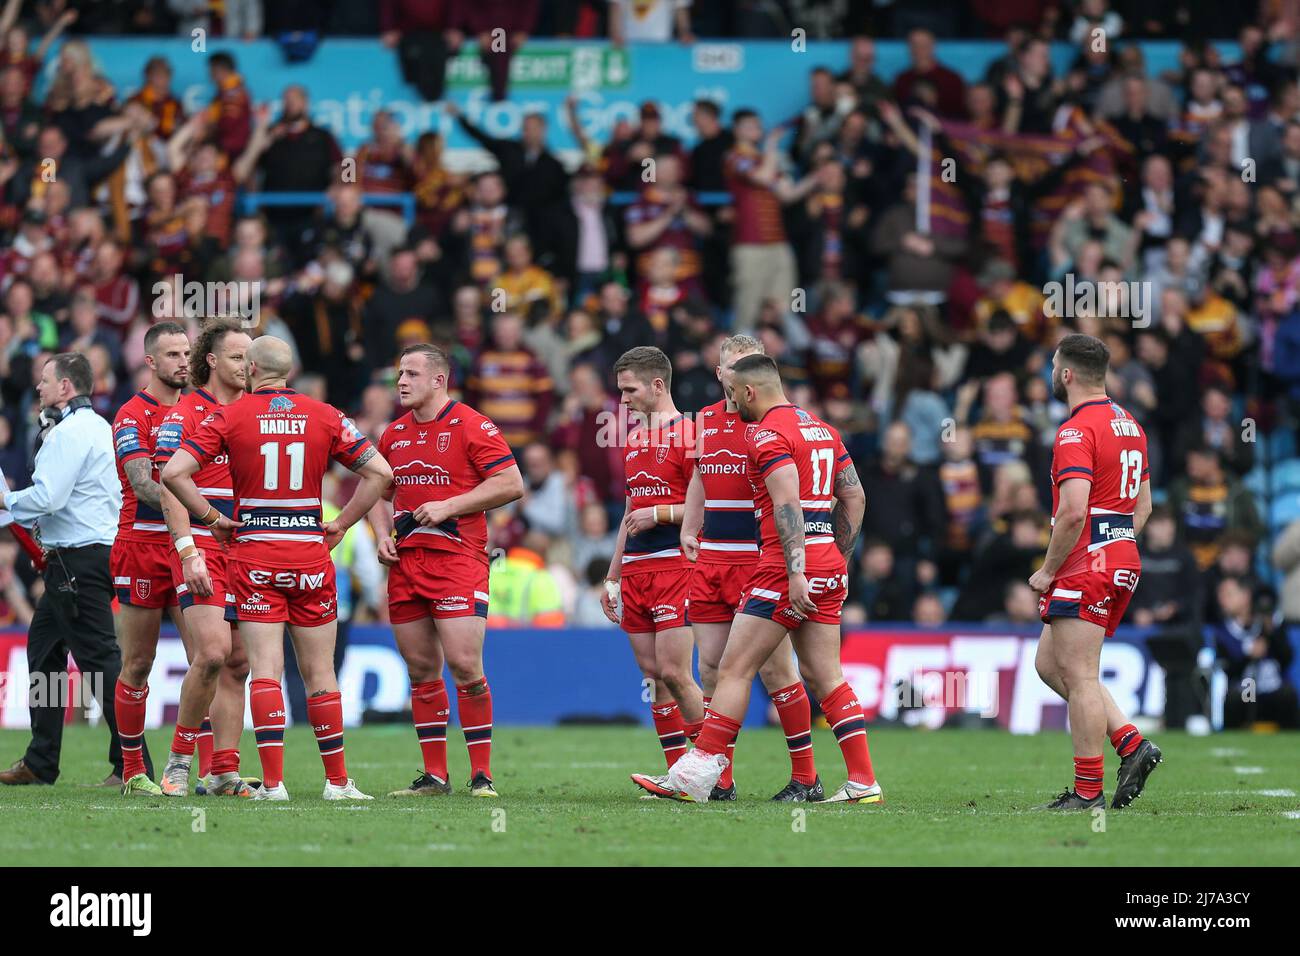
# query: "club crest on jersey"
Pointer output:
{"type": "Point", "coordinates": [280, 403]}
{"type": "Point", "coordinates": [749, 431]}
{"type": "Point", "coordinates": [661, 454]}
{"type": "Point", "coordinates": [444, 442]}
{"type": "Point", "coordinates": [143, 586]}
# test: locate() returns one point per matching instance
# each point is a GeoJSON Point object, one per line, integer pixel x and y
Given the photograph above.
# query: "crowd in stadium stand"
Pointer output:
{"type": "Point", "coordinates": [929, 349]}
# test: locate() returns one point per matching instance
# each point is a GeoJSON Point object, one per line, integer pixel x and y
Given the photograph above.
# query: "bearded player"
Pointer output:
{"type": "Point", "coordinates": [1101, 498]}
{"type": "Point", "coordinates": [810, 506]}
{"type": "Point", "coordinates": [218, 663]}
{"type": "Point", "coordinates": [141, 555]}
{"type": "Point", "coordinates": [280, 444]}
{"type": "Point", "coordinates": [450, 466]}
{"type": "Point", "coordinates": [649, 576]}
{"type": "Point", "coordinates": [720, 536]}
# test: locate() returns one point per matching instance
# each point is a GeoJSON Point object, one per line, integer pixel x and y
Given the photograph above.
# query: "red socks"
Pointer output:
{"type": "Point", "coordinates": [225, 761]}
{"type": "Point", "coordinates": [718, 734]}
{"type": "Point", "coordinates": [1088, 775]}
{"type": "Point", "coordinates": [205, 746]}
{"type": "Point", "coordinates": [844, 714]}
{"type": "Point", "coordinates": [475, 711]}
{"type": "Point", "coordinates": [796, 721]}
{"type": "Point", "coordinates": [1126, 740]}
{"type": "Point", "coordinates": [671, 730]}
{"type": "Point", "coordinates": [727, 779]}
{"type": "Point", "coordinates": [429, 709]}
{"type": "Point", "coordinates": [184, 739]}
{"type": "Point", "coordinates": [129, 706]}
{"type": "Point", "coordinates": [325, 711]}
{"type": "Point", "coordinates": [266, 701]}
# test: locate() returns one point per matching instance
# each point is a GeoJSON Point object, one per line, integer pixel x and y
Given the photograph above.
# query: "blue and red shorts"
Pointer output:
{"type": "Point", "coordinates": [142, 572]}
{"type": "Point", "coordinates": [1099, 598]}
{"type": "Point", "coordinates": [715, 590]}
{"type": "Point", "coordinates": [655, 601]}
{"type": "Point", "coordinates": [767, 594]}
{"type": "Point", "coordinates": [427, 582]}
{"type": "Point", "coordinates": [217, 561]}
{"type": "Point", "coordinates": [258, 594]}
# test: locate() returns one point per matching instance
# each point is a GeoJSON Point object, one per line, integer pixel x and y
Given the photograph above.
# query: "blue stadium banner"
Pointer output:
{"type": "Point", "coordinates": [348, 80]}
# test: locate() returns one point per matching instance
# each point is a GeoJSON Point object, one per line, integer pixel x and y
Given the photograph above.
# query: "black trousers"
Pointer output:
{"type": "Point", "coordinates": [75, 614]}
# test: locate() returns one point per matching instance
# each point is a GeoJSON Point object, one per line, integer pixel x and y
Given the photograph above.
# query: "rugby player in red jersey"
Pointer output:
{"type": "Point", "coordinates": [810, 506]}
{"type": "Point", "coordinates": [1101, 498]}
{"type": "Point", "coordinates": [218, 663]}
{"type": "Point", "coordinates": [649, 576]}
{"type": "Point", "coordinates": [720, 536]}
{"type": "Point", "coordinates": [450, 465]}
{"type": "Point", "coordinates": [280, 444]}
{"type": "Point", "coordinates": [141, 555]}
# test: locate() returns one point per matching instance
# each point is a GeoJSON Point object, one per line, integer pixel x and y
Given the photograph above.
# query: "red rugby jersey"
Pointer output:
{"type": "Point", "coordinates": [135, 432]}
{"type": "Point", "coordinates": [439, 459]}
{"type": "Point", "coordinates": [730, 531]}
{"type": "Point", "coordinates": [280, 445]}
{"type": "Point", "coordinates": [657, 468]}
{"type": "Point", "coordinates": [1100, 441]}
{"type": "Point", "coordinates": [213, 479]}
{"type": "Point", "coordinates": [789, 434]}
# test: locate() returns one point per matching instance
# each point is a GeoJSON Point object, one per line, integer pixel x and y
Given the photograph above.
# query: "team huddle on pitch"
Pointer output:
{"type": "Point", "coordinates": [739, 525]}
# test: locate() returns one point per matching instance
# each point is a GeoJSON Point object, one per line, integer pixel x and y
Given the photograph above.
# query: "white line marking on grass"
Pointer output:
{"type": "Point", "coordinates": [1247, 770]}
{"type": "Point", "coordinates": [1226, 752]}
{"type": "Point", "coordinates": [1291, 814]}
{"type": "Point", "coordinates": [1276, 793]}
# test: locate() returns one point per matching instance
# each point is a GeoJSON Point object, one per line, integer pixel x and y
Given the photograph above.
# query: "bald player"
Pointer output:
{"type": "Point", "coordinates": [280, 444]}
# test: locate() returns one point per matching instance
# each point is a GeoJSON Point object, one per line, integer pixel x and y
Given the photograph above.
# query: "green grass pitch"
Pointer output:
{"type": "Point", "coordinates": [953, 798]}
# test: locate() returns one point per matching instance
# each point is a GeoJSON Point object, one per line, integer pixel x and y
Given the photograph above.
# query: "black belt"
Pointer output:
{"type": "Point", "coordinates": [74, 550]}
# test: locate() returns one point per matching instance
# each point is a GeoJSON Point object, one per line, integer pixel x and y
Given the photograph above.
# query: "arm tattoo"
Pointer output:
{"type": "Point", "coordinates": [847, 478]}
{"type": "Point", "coordinates": [846, 531]}
{"type": "Point", "coordinates": [789, 528]}
{"type": "Point", "coordinates": [140, 473]}
{"type": "Point", "coordinates": [364, 457]}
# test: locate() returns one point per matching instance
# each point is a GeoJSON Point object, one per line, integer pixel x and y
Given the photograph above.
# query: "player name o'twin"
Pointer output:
{"type": "Point", "coordinates": [75, 909]}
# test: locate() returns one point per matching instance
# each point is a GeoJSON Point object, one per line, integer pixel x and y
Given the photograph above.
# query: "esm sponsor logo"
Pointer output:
{"type": "Point", "coordinates": [824, 585]}
{"type": "Point", "coordinates": [287, 579]}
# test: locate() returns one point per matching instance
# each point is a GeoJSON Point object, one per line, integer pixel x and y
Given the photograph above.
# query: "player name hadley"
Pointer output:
{"type": "Point", "coordinates": [282, 426]}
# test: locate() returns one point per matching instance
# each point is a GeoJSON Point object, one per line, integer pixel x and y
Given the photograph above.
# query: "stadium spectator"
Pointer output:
{"type": "Point", "coordinates": [1209, 502]}
{"type": "Point", "coordinates": [536, 182]}
{"type": "Point", "coordinates": [1019, 606]}
{"type": "Point", "coordinates": [762, 263]}
{"type": "Point", "coordinates": [231, 111]}
{"type": "Point", "coordinates": [402, 296]}
{"type": "Point", "coordinates": [949, 89]}
{"type": "Point", "coordinates": [545, 505]}
{"type": "Point", "coordinates": [78, 173]}
{"type": "Point", "coordinates": [291, 155]}
{"type": "Point", "coordinates": [1012, 555]}
{"type": "Point", "coordinates": [1255, 653]}
{"type": "Point", "coordinates": [907, 507]}
{"type": "Point", "coordinates": [509, 384]}
{"type": "Point", "coordinates": [1169, 595]}
{"type": "Point", "coordinates": [654, 21]}
{"type": "Point", "coordinates": [885, 595]}
{"type": "Point", "coordinates": [625, 156]}
{"type": "Point", "coordinates": [524, 591]}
